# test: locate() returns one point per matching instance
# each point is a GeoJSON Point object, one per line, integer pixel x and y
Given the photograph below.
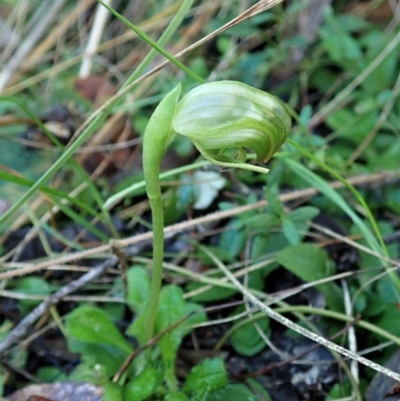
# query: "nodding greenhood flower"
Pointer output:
{"type": "Point", "coordinates": [220, 116]}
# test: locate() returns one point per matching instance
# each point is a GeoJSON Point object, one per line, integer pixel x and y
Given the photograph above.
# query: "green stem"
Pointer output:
{"type": "Point", "coordinates": [155, 143]}
{"type": "Point", "coordinates": [158, 258]}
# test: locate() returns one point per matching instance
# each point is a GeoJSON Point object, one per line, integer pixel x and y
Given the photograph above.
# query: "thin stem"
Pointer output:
{"type": "Point", "coordinates": [155, 142]}
{"type": "Point", "coordinates": [158, 258]}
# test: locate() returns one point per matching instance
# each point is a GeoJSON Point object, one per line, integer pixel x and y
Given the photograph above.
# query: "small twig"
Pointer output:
{"type": "Point", "coordinates": [123, 258]}
{"type": "Point", "coordinates": [20, 371]}
{"type": "Point", "coordinates": [276, 365]}
{"type": "Point", "coordinates": [94, 39]}
{"type": "Point", "coordinates": [354, 244]}
{"type": "Point", "coordinates": [352, 334]}
{"type": "Point", "coordinates": [297, 328]}
{"type": "Point", "coordinates": [217, 216]}
{"type": "Point", "coordinates": [149, 344]}
{"type": "Point", "coordinates": [20, 330]}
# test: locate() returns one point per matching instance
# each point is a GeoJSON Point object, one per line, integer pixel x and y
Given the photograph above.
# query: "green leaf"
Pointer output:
{"type": "Point", "coordinates": [113, 392]}
{"type": "Point", "coordinates": [305, 213]}
{"type": "Point", "coordinates": [310, 263]}
{"type": "Point", "coordinates": [50, 374]}
{"type": "Point", "coordinates": [31, 286]}
{"type": "Point", "coordinates": [368, 261]}
{"type": "Point", "coordinates": [351, 126]}
{"type": "Point", "coordinates": [234, 392]}
{"type": "Point", "coordinates": [340, 391]}
{"type": "Point", "coordinates": [143, 385]}
{"type": "Point", "coordinates": [245, 339]}
{"type": "Point", "coordinates": [389, 320]}
{"type": "Point", "coordinates": [171, 308]}
{"type": "Point", "coordinates": [138, 288]}
{"type": "Point", "coordinates": [307, 261]}
{"type": "Point", "coordinates": [262, 222]}
{"type": "Point", "coordinates": [384, 75]}
{"type": "Point", "coordinates": [209, 375]}
{"type": "Point", "coordinates": [213, 294]}
{"type": "Point", "coordinates": [176, 396]}
{"type": "Point", "coordinates": [232, 240]}
{"type": "Point", "coordinates": [138, 328]}
{"type": "Point", "coordinates": [336, 198]}
{"type": "Point", "coordinates": [341, 47]}
{"type": "Point", "coordinates": [290, 231]}
{"type": "Point", "coordinates": [91, 325]}
{"type": "Point", "coordinates": [99, 362]}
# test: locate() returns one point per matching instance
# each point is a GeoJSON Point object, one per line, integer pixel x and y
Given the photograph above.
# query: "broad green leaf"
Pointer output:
{"type": "Point", "coordinates": [341, 47]}
{"type": "Point", "coordinates": [245, 339]}
{"type": "Point", "coordinates": [389, 320]}
{"type": "Point", "coordinates": [92, 325]}
{"type": "Point", "coordinates": [211, 295]}
{"type": "Point", "coordinates": [113, 392]}
{"type": "Point", "coordinates": [305, 213]}
{"type": "Point", "coordinates": [138, 288]}
{"type": "Point", "coordinates": [233, 240]}
{"type": "Point", "coordinates": [387, 291]}
{"type": "Point", "coordinates": [171, 308]}
{"type": "Point", "coordinates": [387, 159]}
{"type": "Point", "coordinates": [275, 205]}
{"type": "Point", "coordinates": [384, 75]}
{"type": "Point", "coordinates": [290, 231]}
{"type": "Point", "coordinates": [51, 374]}
{"type": "Point", "coordinates": [307, 261]}
{"type": "Point", "coordinates": [352, 23]}
{"type": "Point", "coordinates": [375, 306]}
{"type": "Point", "coordinates": [31, 286]}
{"type": "Point", "coordinates": [340, 391]}
{"type": "Point", "coordinates": [138, 328]}
{"type": "Point", "coordinates": [310, 263]}
{"type": "Point", "coordinates": [143, 385]}
{"type": "Point", "coordinates": [209, 375]}
{"type": "Point", "coordinates": [176, 396]}
{"type": "Point", "coordinates": [103, 360]}
{"type": "Point", "coordinates": [268, 243]}
{"type": "Point", "coordinates": [351, 126]}
{"type": "Point", "coordinates": [262, 222]}
{"type": "Point", "coordinates": [234, 392]}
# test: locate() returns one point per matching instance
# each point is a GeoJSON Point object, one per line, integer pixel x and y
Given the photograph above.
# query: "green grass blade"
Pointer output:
{"type": "Point", "coordinates": [153, 44]}
{"type": "Point", "coordinates": [164, 38]}
{"type": "Point", "coordinates": [357, 195]}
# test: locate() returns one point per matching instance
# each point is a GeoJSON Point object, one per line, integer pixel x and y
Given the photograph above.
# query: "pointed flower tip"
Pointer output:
{"type": "Point", "coordinates": [224, 115]}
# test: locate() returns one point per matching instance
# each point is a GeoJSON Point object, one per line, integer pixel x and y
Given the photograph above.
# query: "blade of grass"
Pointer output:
{"type": "Point", "coordinates": [334, 196]}
{"type": "Point", "coordinates": [353, 190]}
{"type": "Point", "coordinates": [70, 150]}
{"type": "Point", "coordinates": [166, 35]}
{"type": "Point", "coordinates": [47, 190]}
{"type": "Point", "coordinates": [153, 44]}
{"type": "Point", "coordinates": [62, 160]}
{"type": "Point", "coordinates": [54, 195]}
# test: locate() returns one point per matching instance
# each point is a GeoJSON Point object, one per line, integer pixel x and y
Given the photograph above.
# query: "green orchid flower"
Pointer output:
{"type": "Point", "coordinates": [223, 120]}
